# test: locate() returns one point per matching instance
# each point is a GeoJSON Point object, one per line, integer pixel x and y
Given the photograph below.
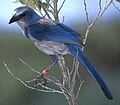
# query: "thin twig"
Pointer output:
{"type": "Point", "coordinates": [63, 19]}
{"type": "Point", "coordinates": [61, 5]}
{"type": "Point", "coordinates": [50, 78]}
{"type": "Point", "coordinates": [73, 66]}
{"type": "Point", "coordinates": [45, 87]}
{"type": "Point", "coordinates": [33, 88]}
{"type": "Point", "coordinates": [73, 79]}
{"type": "Point", "coordinates": [86, 12]}
{"type": "Point", "coordinates": [38, 2]}
{"type": "Point", "coordinates": [94, 21]}
{"type": "Point", "coordinates": [116, 6]}
{"type": "Point", "coordinates": [81, 83]}
{"type": "Point", "coordinates": [100, 7]}
{"type": "Point", "coordinates": [61, 62]}
{"type": "Point", "coordinates": [79, 88]}
{"type": "Point", "coordinates": [106, 1]}
{"type": "Point", "coordinates": [100, 4]}
{"type": "Point", "coordinates": [49, 4]}
{"type": "Point", "coordinates": [29, 67]}
{"type": "Point", "coordinates": [57, 83]}
{"type": "Point", "coordinates": [100, 14]}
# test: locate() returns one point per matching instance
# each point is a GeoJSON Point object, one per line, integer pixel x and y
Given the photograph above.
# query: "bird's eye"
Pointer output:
{"type": "Point", "coordinates": [23, 14]}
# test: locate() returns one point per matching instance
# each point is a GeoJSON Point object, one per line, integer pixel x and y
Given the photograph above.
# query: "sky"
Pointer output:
{"type": "Point", "coordinates": [73, 11]}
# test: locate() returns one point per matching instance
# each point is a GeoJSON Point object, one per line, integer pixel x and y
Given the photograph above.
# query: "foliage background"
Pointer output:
{"type": "Point", "coordinates": [102, 48]}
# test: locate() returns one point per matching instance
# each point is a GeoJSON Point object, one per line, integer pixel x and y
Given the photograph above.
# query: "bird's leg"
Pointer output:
{"type": "Point", "coordinates": [40, 78]}
{"type": "Point", "coordinates": [54, 61]}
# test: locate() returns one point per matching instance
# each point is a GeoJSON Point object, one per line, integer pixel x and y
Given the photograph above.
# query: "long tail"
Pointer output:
{"type": "Point", "coordinates": [76, 51]}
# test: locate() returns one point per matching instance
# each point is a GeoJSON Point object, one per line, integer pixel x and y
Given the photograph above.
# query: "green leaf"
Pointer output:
{"type": "Point", "coordinates": [47, 1]}
{"type": "Point", "coordinates": [16, 1]}
{"type": "Point", "coordinates": [45, 5]}
{"type": "Point", "coordinates": [21, 1]}
{"type": "Point", "coordinates": [29, 3]}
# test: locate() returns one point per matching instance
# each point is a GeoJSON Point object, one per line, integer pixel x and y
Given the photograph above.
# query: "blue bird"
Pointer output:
{"type": "Point", "coordinates": [55, 39]}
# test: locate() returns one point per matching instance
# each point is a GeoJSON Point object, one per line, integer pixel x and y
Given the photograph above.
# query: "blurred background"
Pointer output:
{"type": "Point", "coordinates": [102, 48]}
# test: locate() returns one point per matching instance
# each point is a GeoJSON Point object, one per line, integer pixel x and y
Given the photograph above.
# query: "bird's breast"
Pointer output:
{"type": "Point", "coordinates": [52, 48]}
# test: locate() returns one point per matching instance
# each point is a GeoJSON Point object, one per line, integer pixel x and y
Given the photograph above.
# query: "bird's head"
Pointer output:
{"type": "Point", "coordinates": [25, 15]}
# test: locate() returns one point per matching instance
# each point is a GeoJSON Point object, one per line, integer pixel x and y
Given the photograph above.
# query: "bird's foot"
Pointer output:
{"type": "Point", "coordinates": [40, 79]}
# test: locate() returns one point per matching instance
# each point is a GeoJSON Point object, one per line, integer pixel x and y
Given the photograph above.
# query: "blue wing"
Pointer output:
{"type": "Point", "coordinates": [53, 32]}
{"type": "Point", "coordinates": [69, 29]}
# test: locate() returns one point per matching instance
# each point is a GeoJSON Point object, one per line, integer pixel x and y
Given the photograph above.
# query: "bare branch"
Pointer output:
{"type": "Point", "coordinates": [100, 6]}
{"type": "Point", "coordinates": [63, 19]}
{"type": "Point", "coordinates": [106, 1]}
{"type": "Point", "coordinates": [116, 6]}
{"type": "Point", "coordinates": [55, 3]}
{"type": "Point", "coordinates": [61, 5]}
{"type": "Point", "coordinates": [29, 67]}
{"type": "Point", "coordinates": [66, 78]}
{"type": "Point", "coordinates": [45, 87]}
{"type": "Point", "coordinates": [33, 88]}
{"type": "Point", "coordinates": [95, 20]}
{"type": "Point", "coordinates": [50, 5]}
{"type": "Point", "coordinates": [118, 1]}
{"type": "Point", "coordinates": [100, 14]}
{"type": "Point", "coordinates": [38, 2]}
{"type": "Point", "coordinates": [85, 37]}
{"type": "Point", "coordinates": [50, 78]}
{"type": "Point", "coordinates": [86, 12]}
{"type": "Point", "coordinates": [74, 73]}
{"type": "Point", "coordinates": [79, 88]}
{"type": "Point", "coordinates": [57, 83]}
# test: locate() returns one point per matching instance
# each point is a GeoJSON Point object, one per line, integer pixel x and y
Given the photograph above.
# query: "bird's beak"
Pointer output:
{"type": "Point", "coordinates": [13, 19]}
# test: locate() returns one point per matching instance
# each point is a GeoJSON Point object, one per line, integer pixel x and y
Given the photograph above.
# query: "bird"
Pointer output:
{"type": "Point", "coordinates": [54, 39]}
